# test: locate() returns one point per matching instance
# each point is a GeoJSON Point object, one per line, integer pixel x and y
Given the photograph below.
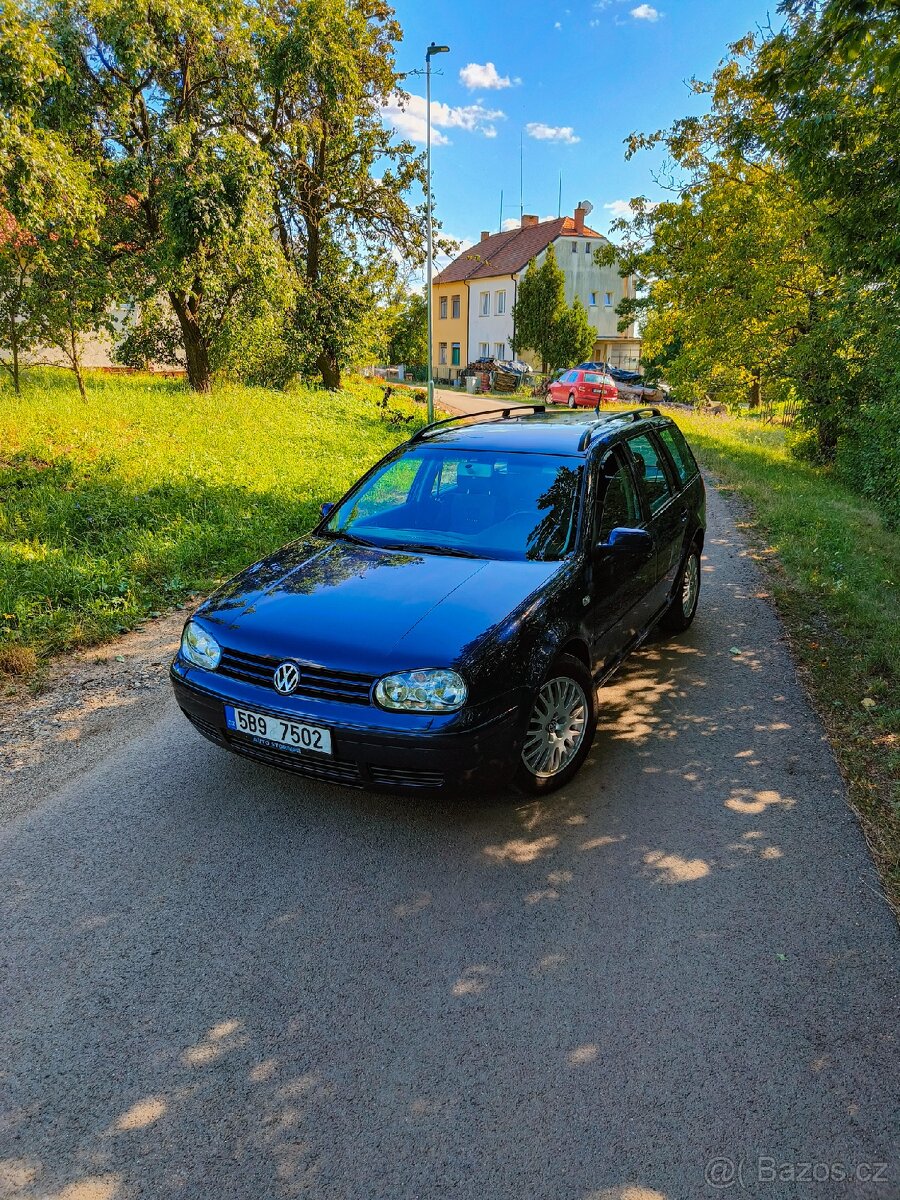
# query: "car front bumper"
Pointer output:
{"type": "Point", "coordinates": [367, 753]}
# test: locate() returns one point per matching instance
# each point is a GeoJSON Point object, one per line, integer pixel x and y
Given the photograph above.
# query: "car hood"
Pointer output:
{"type": "Point", "coordinates": [360, 608]}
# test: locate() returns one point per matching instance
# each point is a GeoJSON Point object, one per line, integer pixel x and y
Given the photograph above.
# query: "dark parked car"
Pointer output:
{"type": "Point", "coordinates": [448, 621]}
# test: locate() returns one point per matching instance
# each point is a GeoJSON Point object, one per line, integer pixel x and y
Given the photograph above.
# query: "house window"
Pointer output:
{"type": "Point", "coordinates": [587, 247]}
{"type": "Point", "coordinates": [484, 349]}
{"type": "Point", "coordinates": [500, 350]}
{"type": "Point", "coordinates": [501, 303]}
{"type": "Point", "coordinates": [454, 307]}
{"type": "Point", "coordinates": [574, 247]}
{"type": "Point", "coordinates": [485, 304]}
{"type": "Point", "coordinates": [454, 354]}
{"type": "Point", "coordinates": [607, 299]}
{"type": "Point", "coordinates": [593, 299]}
{"type": "Point", "coordinates": [442, 354]}
{"type": "Point", "coordinates": [443, 308]}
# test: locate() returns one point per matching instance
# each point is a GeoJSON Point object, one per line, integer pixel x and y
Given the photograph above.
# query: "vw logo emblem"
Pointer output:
{"type": "Point", "coordinates": [286, 678]}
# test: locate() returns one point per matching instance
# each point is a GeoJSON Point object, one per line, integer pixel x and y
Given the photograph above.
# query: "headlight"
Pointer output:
{"type": "Point", "coordinates": [199, 647]}
{"type": "Point", "coordinates": [433, 689]}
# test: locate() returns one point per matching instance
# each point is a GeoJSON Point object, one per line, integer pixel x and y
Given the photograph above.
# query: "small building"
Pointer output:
{"type": "Point", "coordinates": [473, 296]}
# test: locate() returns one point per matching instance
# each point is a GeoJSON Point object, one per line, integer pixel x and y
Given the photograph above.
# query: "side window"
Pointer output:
{"type": "Point", "coordinates": [651, 471]}
{"type": "Point", "coordinates": [673, 439]}
{"type": "Point", "coordinates": [616, 502]}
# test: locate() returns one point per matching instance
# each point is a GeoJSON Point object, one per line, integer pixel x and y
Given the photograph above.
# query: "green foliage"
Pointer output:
{"type": "Point", "coordinates": [575, 336]}
{"type": "Point", "coordinates": [543, 323]}
{"type": "Point", "coordinates": [409, 332]}
{"type": "Point", "coordinates": [773, 273]}
{"type": "Point", "coordinates": [161, 493]}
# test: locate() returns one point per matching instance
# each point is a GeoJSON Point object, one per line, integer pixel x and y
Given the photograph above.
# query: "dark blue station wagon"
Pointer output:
{"type": "Point", "coordinates": [447, 623]}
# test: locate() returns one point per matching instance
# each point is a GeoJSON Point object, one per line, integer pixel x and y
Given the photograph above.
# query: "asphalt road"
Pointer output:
{"type": "Point", "coordinates": [221, 981]}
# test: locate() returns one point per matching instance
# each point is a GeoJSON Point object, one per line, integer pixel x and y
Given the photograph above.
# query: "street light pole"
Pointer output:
{"type": "Point", "coordinates": [432, 49]}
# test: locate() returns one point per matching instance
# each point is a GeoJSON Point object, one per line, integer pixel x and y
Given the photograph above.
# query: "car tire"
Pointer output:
{"type": "Point", "coordinates": [683, 607]}
{"type": "Point", "coordinates": [566, 689]}
{"type": "Point", "coordinates": [571, 400]}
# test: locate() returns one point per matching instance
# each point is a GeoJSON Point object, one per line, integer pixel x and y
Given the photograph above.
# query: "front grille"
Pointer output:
{"type": "Point", "coordinates": [329, 769]}
{"type": "Point", "coordinates": [318, 683]}
{"type": "Point", "coordinates": [396, 777]}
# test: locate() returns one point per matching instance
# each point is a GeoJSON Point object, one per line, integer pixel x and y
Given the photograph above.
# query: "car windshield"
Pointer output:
{"type": "Point", "coordinates": [466, 502]}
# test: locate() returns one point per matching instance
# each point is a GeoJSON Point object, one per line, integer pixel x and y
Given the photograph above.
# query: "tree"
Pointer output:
{"type": "Point", "coordinates": [539, 307]}
{"type": "Point", "coordinates": [326, 71]}
{"type": "Point", "coordinates": [149, 96]}
{"type": "Point", "coordinates": [544, 323]}
{"type": "Point", "coordinates": [575, 337]}
{"type": "Point", "coordinates": [409, 332]}
{"type": "Point", "coordinates": [49, 206]}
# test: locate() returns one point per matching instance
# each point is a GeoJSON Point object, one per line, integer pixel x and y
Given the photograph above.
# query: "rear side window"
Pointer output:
{"type": "Point", "coordinates": [651, 472]}
{"type": "Point", "coordinates": [685, 464]}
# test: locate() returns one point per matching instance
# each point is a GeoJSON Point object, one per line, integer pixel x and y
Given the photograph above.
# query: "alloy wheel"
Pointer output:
{"type": "Point", "coordinates": [556, 728]}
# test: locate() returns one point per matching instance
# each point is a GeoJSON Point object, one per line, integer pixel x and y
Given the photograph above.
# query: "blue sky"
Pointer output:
{"type": "Point", "coordinates": [575, 78]}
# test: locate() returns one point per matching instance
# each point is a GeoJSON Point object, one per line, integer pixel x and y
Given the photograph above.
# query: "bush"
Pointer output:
{"type": "Point", "coordinates": [868, 457]}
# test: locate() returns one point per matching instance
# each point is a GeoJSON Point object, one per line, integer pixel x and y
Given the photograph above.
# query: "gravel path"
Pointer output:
{"type": "Point", "coordinates": [221, 981]}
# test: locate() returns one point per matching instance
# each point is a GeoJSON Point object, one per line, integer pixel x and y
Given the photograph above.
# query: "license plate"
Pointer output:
{"type": "Point", "coordinates": [292, 734]}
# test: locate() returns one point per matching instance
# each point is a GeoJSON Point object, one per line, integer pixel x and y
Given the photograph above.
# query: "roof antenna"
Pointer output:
{"type": "Point", "coordinates": [521, 177]}
{"type": "Point", "coordinates": [500, 226]}
{"type": "Point", "coordinates": [559, 201]}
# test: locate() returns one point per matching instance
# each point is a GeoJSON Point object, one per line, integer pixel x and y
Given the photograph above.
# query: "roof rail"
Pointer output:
{"type": "Point", "coordinates": [503, 413]}
{"type": "Point", "coordinates": [633, 414]}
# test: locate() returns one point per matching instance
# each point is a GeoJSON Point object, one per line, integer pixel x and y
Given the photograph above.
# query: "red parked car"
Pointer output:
{"type": "Point", "coordinates": [583, 389]}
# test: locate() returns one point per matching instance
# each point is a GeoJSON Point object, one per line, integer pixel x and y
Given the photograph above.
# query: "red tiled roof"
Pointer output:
{"type": "Point", "coordinates": [504, 253]}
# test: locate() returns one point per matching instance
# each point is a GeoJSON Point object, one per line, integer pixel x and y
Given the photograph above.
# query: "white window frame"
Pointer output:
{"type": "Point", "coordinates": [587, 247]}
{"type": "Point", "coordinates": [500, 351]}
{"type": "Point", "coordinates": [500, 302]}
{"type": "Point", "coordinates": [484, 349]}
{"type": "Point", "coordinates": [592, 303]}
{"type": "Point", "coordinates": [455, 308]}
{"type": "Point", "coordinates": [607, 299]}
{"type": "Point", "coordinates": [574, 247]}
{"type": "Point", "coordinates": [442, 308]}
{"type": "Point", "coordinates": [484, 309]}
{"type": "Point", "coordinates": [442, 354]}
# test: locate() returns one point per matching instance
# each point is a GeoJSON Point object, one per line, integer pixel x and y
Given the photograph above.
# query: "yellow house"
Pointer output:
{"type": "Point", "coordinates": [450, 322]}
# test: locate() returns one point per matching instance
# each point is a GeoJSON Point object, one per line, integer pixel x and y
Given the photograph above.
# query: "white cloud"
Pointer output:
{"type": "Point", "coordinates": [551, 133]}
{"type": "Point", "coordinates": [408, 118]}
{"type": "Point", "coordinates": [484, 75]}
{"type": "Point", "coordinates": [645, 12]}
{"type": "Point", "coordinates": [618, 208]}
{"type": "Point", "coordinates": [557, 24]}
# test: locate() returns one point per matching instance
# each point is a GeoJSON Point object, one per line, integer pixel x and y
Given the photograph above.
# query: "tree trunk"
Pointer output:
{"type": "Point", "coordinates": [330, 369]}
{"type": "Point", "coordinates": [755, 388]}
{"type": "Point", "coordinates": [196, 346]}
{"type": "Point", "coordinates": [75, 355]}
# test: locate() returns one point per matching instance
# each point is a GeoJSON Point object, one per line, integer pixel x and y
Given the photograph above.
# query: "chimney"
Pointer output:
{"type": "Point", "coordinates": [485, 233]}
{"type": "Point", "coordinates": [580, 214]}
{"type": "Point", "coordinates": [528, 219]}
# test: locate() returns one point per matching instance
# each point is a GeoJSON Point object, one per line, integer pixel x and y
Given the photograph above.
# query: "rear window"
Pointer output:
{"type": "Point", "coordinates": [591, 377]}
{"type": "Point", "coordinates": [685, 463]}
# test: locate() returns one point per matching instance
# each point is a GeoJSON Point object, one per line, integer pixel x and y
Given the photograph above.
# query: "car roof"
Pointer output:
{"type": "Point", "coordinates": [540, 432]}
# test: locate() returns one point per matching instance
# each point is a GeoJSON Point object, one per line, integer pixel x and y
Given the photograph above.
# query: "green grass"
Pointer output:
{"type": "Point", "coordinates": [116, 508]}
{"type": "Point", "coordinates": [835, 577]}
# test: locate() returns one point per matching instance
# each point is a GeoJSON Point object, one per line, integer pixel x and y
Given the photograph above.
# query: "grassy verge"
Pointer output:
{"type": "Point", "coordinates": [114, 508]}
{"type": "Point", "coordinates": [835, 574]}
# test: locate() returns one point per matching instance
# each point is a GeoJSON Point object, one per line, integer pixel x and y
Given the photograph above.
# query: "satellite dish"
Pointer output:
{"type": "Point", "coordinates": [587, 206]}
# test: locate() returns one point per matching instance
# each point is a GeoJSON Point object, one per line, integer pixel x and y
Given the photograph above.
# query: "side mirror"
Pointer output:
{"type": "Point", "coordinates": [635, 540]}
{"type": "Point", "coordinates": [327, 509]}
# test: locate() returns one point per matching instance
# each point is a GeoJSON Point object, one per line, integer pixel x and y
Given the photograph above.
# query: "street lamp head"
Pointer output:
{"type": "Point", "coordinates": [433, 49]}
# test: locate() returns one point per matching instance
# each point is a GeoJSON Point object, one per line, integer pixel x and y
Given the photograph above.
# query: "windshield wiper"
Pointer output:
{"type": "Point", "coordinates": [350, 537]}
{"type": "Point", "coordinates": [425, 548]}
